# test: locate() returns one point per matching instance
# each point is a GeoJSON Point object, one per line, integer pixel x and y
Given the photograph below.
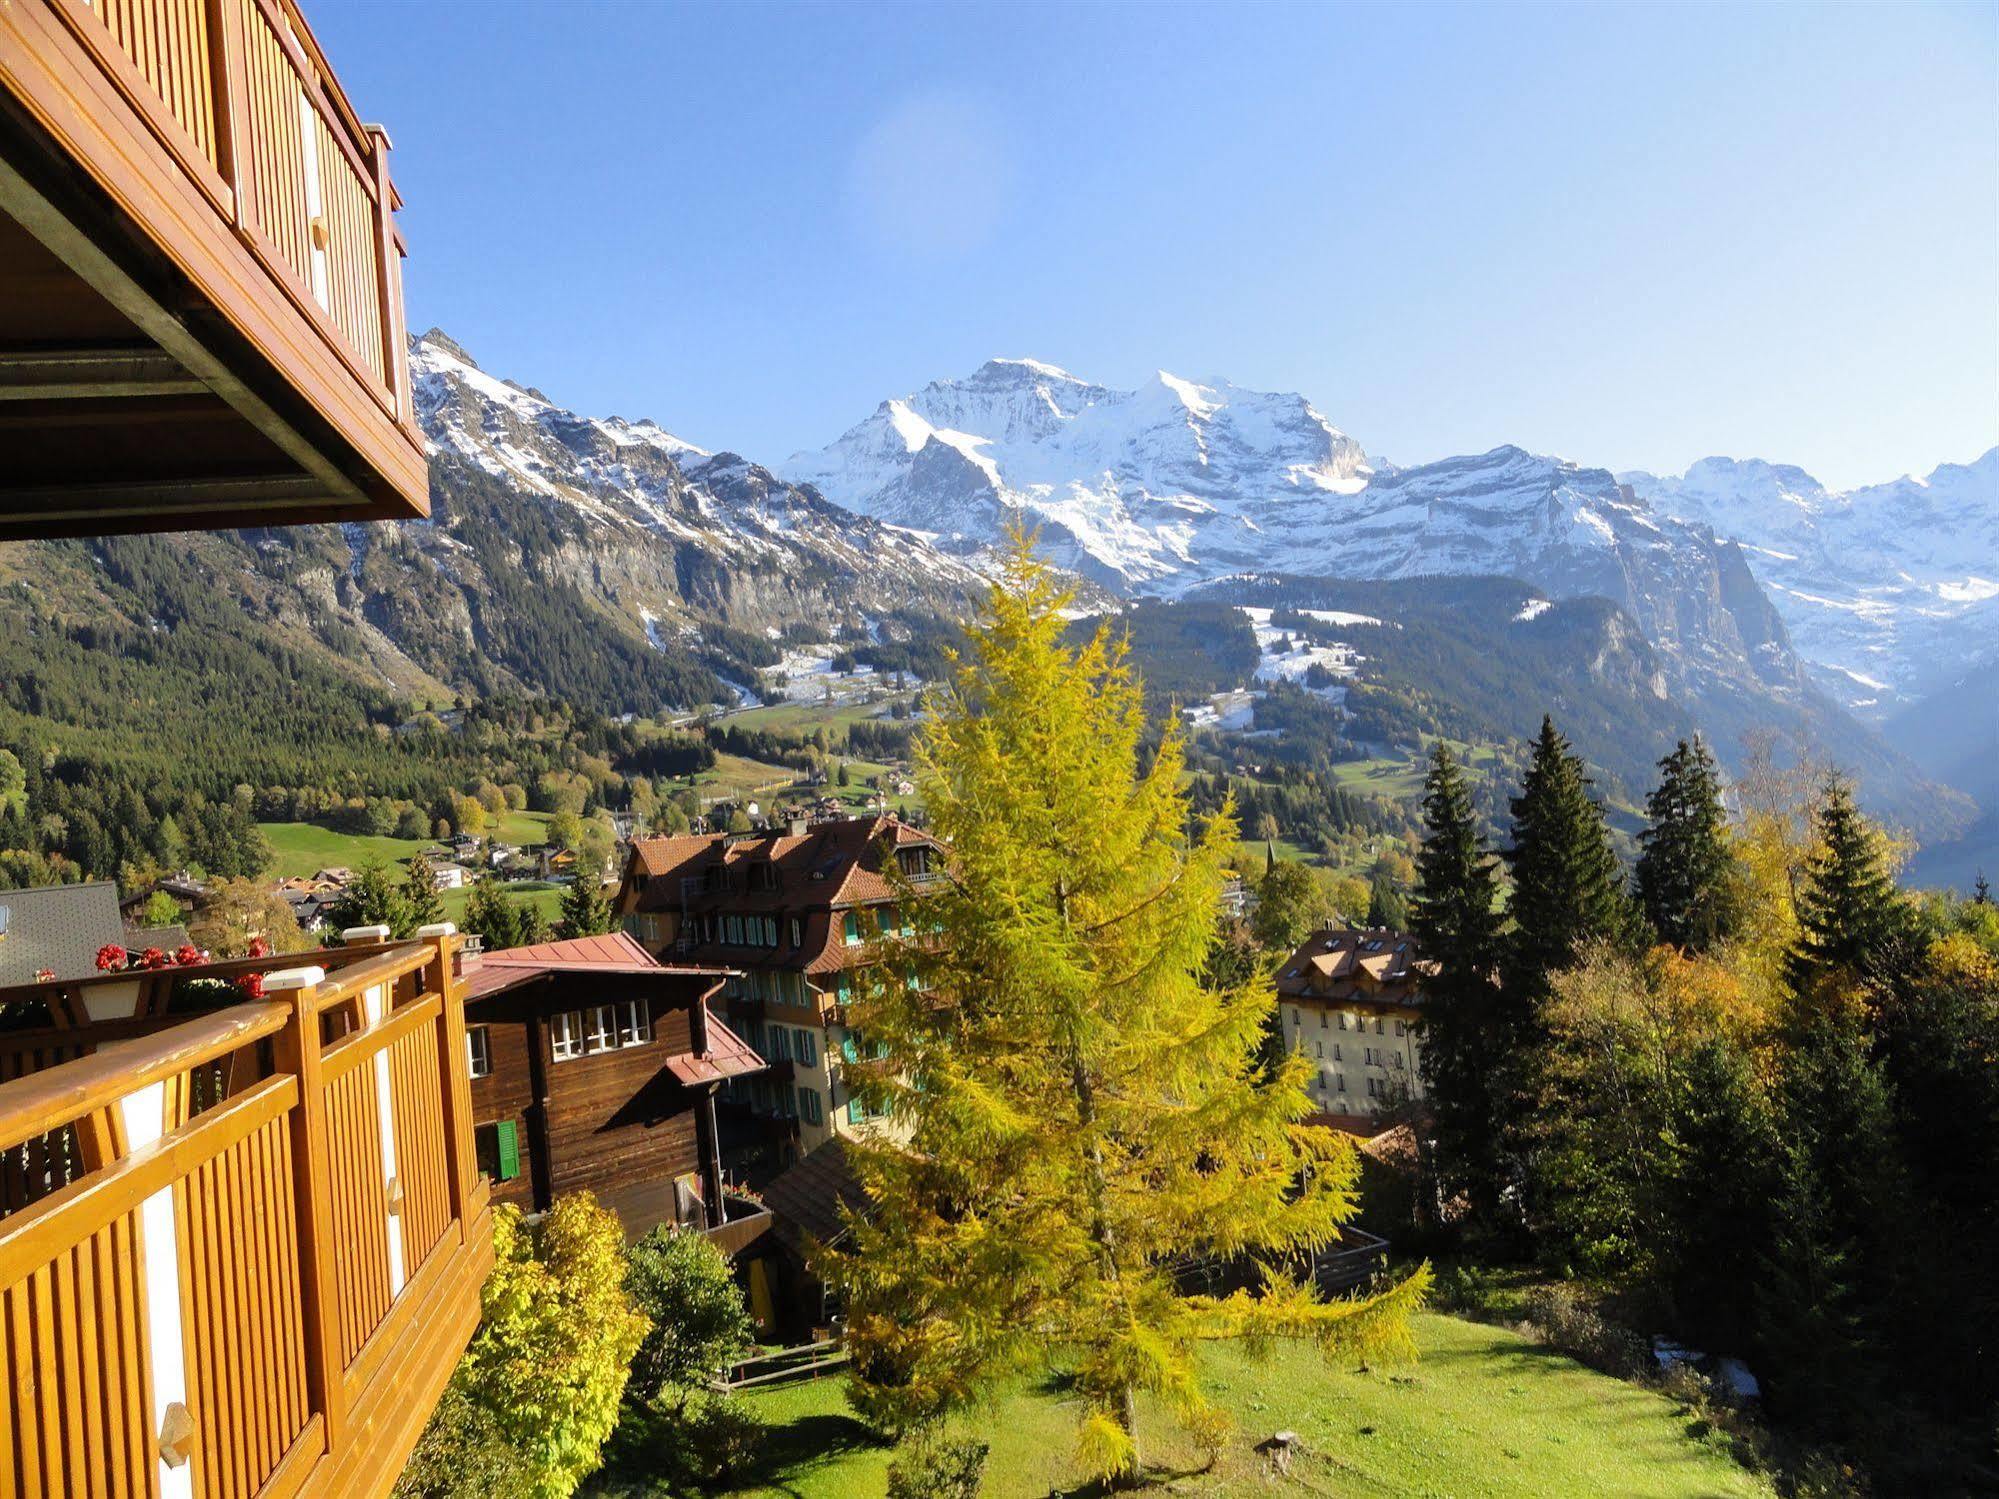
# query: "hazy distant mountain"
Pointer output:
{"type": "Point", "coordinates": [1892, 590]}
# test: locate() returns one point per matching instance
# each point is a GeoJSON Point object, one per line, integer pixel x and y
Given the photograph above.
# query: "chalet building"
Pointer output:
{"type": "Point", "coordinates": [595, 1068]}
{"type": "Point", "coordinates": [1352, 1001]}
{"type": "Point", "coordinates": [790, 910]}
{"type": "Point", "coordinates": [59, 929]}
{"type": "Point", "coordinates": [242, 1236]}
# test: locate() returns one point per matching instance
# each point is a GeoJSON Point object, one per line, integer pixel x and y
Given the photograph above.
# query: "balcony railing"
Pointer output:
{"type": "Point", "coordinates": [219, 132]}
{"type": "Point", "coordinates": [239, 1254]}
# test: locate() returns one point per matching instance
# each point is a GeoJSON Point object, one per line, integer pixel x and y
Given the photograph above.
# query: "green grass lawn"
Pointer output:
{"type": "Point", "coordinates": [1482, 1412]}
{"type": "Point", "coordinates": [304, 848]}
{"type": "Point", "coordinates": [547, 898]}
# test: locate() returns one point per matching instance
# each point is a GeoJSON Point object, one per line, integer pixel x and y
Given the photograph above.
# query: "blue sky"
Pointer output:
{"type": "Point", "coordinates": [1632, 236]}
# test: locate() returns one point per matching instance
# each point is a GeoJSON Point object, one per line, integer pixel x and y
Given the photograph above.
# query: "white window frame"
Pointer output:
{"type": "Point", "coordinates": [478, 1051]}
{"type": "Point", "coordinates": [635, 1022]}
{"type": "Point", "coordinates": [565, 1035]}
{"type": "Point", "coordinates": [601, 1029]}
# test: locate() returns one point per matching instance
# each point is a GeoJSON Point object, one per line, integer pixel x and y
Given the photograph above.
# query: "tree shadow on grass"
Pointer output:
{"type": "Point", "coordinates": [808, 1442]}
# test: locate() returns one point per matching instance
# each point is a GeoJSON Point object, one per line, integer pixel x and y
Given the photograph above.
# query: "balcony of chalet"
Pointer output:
{"type": "Point", "coordinates": [242, 1236]}
{"type": "Point", "coordinates": [201, 320]}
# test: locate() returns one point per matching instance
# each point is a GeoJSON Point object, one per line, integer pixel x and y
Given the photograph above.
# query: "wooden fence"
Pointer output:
{"type": "Point", "coordinates": [252, 1265]}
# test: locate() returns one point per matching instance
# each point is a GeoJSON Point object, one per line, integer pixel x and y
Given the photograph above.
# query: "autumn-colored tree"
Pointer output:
{"type": "Point", "coordinates": [549, 1363]}
{"type": "Point", "coordinates": [237, 911]}
{"type": "Point", "coordinates": [1073, 1110]}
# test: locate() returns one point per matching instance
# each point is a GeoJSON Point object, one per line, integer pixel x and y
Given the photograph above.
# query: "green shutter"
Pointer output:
{"type": "Point", "coordinates": [855, 1113]}
{"type": "Point", "coordinates": [510, 1150]}
{"type": "Point", "coordinates": [853, 928]}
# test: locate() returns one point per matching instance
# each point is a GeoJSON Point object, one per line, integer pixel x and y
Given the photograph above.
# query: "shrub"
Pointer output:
{"type": "Point", "coordinates": [720, 1440]}
{"type": "Point", "coordinates": [930, 1466]}
{"type": "Point", "coordinates": [699, 1324]}
{"type": "Point", "coordinates": [1566, 1321]}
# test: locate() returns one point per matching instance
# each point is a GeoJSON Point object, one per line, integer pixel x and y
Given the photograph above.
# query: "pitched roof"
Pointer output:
{"type": "Point", "coordinates": [805, 1201]}
{"type": "Point", "coordinates": [727, 1056]}
{"type": "Point", "coordinates": [58, 927]}
{"type": "Point", "coordinates": [836, 863]}
{"type": "Point", "coordinates": [613, 952]}
{"type": "Point", "coordinates": [1370, 966]}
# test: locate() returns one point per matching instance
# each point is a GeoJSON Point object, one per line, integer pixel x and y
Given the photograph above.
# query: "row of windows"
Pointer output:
{"type": "Point", "coordinates": [1372, 1056]}
{"type": "Point", "coordinates": [787, 1043]}
{"type": "Point", "coordinates": [1359, 1022]}
{"type": "Point", "coordinates": [581, 1033]}
{"type": "Point", "coordinates": [1377, 1087]}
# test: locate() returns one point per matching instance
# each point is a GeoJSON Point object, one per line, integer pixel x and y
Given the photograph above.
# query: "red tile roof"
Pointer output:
{"type": "Point", "coordinates": [614, 952]}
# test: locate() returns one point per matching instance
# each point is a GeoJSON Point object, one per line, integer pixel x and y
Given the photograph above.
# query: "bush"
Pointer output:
{"type": "Point", "coordinates": [721, 1439]}
{"type": "Point", "coordinates": [463, 1454]}
{"type": "Point", "coordinates": [699, 1324]}
{"type": "Point", "coordinates": [1566, 1321]}
{"type": "Point", "coordinates": [929, 1466]}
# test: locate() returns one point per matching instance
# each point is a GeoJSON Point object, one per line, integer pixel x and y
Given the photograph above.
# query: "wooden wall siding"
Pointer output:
{"type": "Point", "coordinates": [167, 42]}
{"type": "Point", "coordinates": [244, 1318]}
{"type": "Point", "coordinates": [421, 1168]}
{"type": "Point", "coordinates": [78, 1415]}
{"type": "Point", "coordinates": [360, 1245]}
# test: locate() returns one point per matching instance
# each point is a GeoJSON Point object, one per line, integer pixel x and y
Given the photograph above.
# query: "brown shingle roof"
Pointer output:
{"type": "Point", "coordinates": [1363, 966]}
{"type": "Point", "coordinates": [805, 1201]}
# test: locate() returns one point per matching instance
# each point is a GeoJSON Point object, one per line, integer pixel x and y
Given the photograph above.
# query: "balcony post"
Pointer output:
{"type": "Point", "coordinates": [297, 1049]}
{"type": "Point", "coordinates": [454, 1074]}
{"type": "Point", "coordinates": [389, 279]}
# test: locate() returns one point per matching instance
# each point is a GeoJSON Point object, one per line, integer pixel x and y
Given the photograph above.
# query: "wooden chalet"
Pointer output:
{"type": "Point", "coordinates": [201, 318]}
{"type": "Point", "coordinates": [593, 1067]}
{"type": "Point", "coordinates": [242, 1228]}
{"type": "Point", "coordinates": [1352, 1001]}
{"type": "Point", "coordinates": [791, 911]}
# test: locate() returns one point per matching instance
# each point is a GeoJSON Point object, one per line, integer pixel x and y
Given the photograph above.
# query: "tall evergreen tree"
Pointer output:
{"type": "Point", "coordinates": [1687, 880]}
{"type": "Point", "coordinates": [586, 910]}
{"type": "Point", "coordinates": [488, 914]}
{"type": "Point", "coordinates": [1454, 918]}
{"type": "Point", "coordinates": [1567, 887]}
{"type": "Point", "coordinates": [1851, 917]}
{"type": "Point", "coordinates": [1078, 1110]}
{"type": "Point", "coordinates": [373, 898]}
{"type": "Point", "coordinates": [420, 894]}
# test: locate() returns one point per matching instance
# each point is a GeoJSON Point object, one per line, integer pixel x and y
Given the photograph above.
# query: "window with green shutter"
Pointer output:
{"type": "Point", "coordinates": [855, 1113]}
{"type": "Point", "coordinates": [853, 928]}
{"type": "Point", "coordinates": [509, 1150]}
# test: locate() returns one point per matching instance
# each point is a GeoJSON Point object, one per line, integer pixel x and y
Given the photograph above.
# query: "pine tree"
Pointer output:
{"type": "Point", "coordinates": [420, 894]}
{"type": "Point", "coordinates": [1454, 918]}
{"type": "Point", "coordinates": [488, 914]}
{"type": "Point", "coordinates": [1072, 1109]}
{"type": "Point", "coordinates": [1687, 880]}
{"type": "Point", "coordinates": [373, 898]}
{"type": "Point", "coordinates": [1850, 915]}
{"type": "Point", "coordinates": [1567, 887]}
{"type": "Point", "coordinates": [586, 910]}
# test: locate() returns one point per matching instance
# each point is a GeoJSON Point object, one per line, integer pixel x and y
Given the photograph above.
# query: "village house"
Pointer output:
{"type": "Point", "coordinates": [594, 1068]}
{"type": "Point", "coordinates": [1352, 1001]}
{"type": "Point", "coordinates": [791, 910]}
{"type": "Point", "coordinates": [450, 876]}
{"type": "Point", "coordinates": [57, 931]}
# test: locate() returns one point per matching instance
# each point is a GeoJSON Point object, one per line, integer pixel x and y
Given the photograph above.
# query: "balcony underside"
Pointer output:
{"type": "Point", "coordinates": [157, 373]}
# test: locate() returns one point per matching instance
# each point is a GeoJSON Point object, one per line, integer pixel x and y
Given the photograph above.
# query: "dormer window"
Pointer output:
{"type": "Point", "coordinates": [915, 861]}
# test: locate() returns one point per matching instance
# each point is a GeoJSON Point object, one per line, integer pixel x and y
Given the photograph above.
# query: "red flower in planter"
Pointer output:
{"type": "Point", "coordinates": [45, 975]}
{"type": "Point", "coordinates": [251, 985]}
{"type": "Point", "coordinates": [111, 956]}
{"type": "Point", "coordinates": [259, 948]}
{"type": "Point", "coordinates": [187, 955]}
{"type": "Point", "coordinates": [152, 957]}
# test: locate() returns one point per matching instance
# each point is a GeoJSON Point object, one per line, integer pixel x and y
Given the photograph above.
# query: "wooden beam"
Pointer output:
{"type": "Point", "coordinates": [92, 374]}
{"type": "Point", "coordinates": [169, 497]}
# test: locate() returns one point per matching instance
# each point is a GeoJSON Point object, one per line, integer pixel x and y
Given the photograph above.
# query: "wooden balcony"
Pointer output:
{"type": "Point", "coordinates": [241, 1247]}
{"type": "Point", "coordinates": [201, 318]}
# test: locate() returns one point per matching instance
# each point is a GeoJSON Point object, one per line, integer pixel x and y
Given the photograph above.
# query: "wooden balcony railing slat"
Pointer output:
{"type": "Point", "coordinates": [38, 1103]}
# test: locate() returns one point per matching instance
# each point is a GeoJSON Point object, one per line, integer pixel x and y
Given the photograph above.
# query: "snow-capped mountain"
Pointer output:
{"type": "Point", "coordinates": [1155, 488]}
{"type": "Point", "coordinates": [755, 535]}
{"type": "Point", "coordinates": [1891, 590]}
{"type": "Point", "coordinates": [1177, 484]}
